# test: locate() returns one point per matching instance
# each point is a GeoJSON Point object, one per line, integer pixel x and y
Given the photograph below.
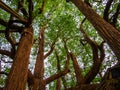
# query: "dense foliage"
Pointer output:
{"type": "Point", "coordinates": [61, 21]}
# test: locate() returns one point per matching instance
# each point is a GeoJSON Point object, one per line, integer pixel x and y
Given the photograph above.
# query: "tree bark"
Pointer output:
{"type": "Point", "coordinates": [78, 71]}
{"type": "Point", "coordinates": [17, 78]}
{"type": "Point", "coordinates": [105, 30]}
{"type": "Point", "coordinates": [39, 66]}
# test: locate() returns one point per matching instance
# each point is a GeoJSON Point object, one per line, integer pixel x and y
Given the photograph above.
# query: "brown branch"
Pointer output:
{"type": "Point", "coordinates": [61, 73]}
{"type": "Point", "coordinates": [51, 50]}
{"type": "Point", "coordinates": [106, 11]}
{"type": "Point", "coordinates": [77, 68]}
{"type": "Point", "coordinates": [58, 61]}
{"type": "Point", "coordinates": [39, 66]}
{"type": "Point", "coordinates": [56, 76]}
{"type": "Point", "coordinates": [96, 60]}
{"type": "Point", "coordinates": [11, 11]}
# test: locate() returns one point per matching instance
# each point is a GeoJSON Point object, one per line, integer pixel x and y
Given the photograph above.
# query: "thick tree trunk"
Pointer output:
{"type": "Point", "coordinates": [17, 78]}
{"type": "Point", "coordinates": [106, 31]}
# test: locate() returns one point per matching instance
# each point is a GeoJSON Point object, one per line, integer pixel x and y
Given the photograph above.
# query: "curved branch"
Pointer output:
{"type": "Point", "coordinates": [51, 50]}
{"type": "Point", "coordinates": [96, 60]}
{"type": "Point", "coordinates": [56, 76]}
{"type": "Point", "coordinates": [78, 71]}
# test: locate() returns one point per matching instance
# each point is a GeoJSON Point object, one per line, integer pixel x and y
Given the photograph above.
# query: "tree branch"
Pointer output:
{"type": "Point", "coordinates": [56, 76]}
{"type": "Point", "coordinates": [61, 73]}
{"type": "Point", "coordinates": [51, 50]}
{"type": "Point", "coordinates": [11, 11]}
{"type": "Point", "coordinates": [96, 60]}
{"type": "Point", "coordinates": [77, 68]}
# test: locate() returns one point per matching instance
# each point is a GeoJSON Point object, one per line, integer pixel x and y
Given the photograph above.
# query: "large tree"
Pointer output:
{"type": "Point", "coordinates": [60, 48]}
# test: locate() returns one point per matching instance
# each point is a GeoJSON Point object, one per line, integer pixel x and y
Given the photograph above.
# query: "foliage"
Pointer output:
{"type": "Point", "coordinates": [62, 20]}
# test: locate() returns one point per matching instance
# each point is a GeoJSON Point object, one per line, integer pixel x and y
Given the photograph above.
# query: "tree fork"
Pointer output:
{"type": "Point", "coordinates": [105, 30]}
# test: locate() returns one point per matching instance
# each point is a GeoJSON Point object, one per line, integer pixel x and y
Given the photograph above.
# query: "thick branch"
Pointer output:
{"type": "Point", "coordinates": [61, 73]}
{"type": "Point", "coordinates": [106, 31]}
{"type": "Point", "coordinates": [77, 68]}
{"type": "Point", "coordinates": [56, 76]}
{"type": "Point", "coordinates": [39, 66]}
{"type": "Point", "coordinates": [96, 60]}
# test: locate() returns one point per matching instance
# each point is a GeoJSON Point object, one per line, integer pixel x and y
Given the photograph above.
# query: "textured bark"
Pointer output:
{"type": "Point", "coordinates": [56, 76]}
{"type": "Point", "coordinates": [78, 72]}
{"type": "Point", "coordinates": [106, 31]}
{"type": "Point", "coordinates": [97, 60]}
{"type": "Point", "coordinates": [58, 84]}
{"type": "Point", "coordinates": [17, 78]}
{"type": "Point", "coordinates": [39, 66]}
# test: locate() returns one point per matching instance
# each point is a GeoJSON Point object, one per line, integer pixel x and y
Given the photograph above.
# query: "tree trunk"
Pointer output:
{"type": "Point", "coordinates": [17, 78]}
{"type": "Point", "coordinates": [106, 31]}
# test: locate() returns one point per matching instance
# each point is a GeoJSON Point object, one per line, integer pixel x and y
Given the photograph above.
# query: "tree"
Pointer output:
{"type": "Point", "coordinates": [56, 45]}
